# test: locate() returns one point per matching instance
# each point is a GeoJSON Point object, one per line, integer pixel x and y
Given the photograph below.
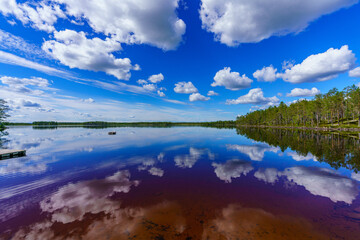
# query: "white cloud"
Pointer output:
{"type": "Point", "coordinates": [31, 104]}
{"type": "Point", "coordinates": [160, 93]}
{"type": "Point", "coordinates": [298, 157]}
{"type": "Point", "coordinates": [268, 175]}
{"type": "Point", "coordinates": [189, 160]}
{"type": "Point", "coordinates": [318, 181]}
{"type": "Point", "coordinates": [245, 21]}
{"type": "Point", "coordinates": [185, 87]}
{"type": "Point", "coordinates": [255, 152]}
{"type": "Point", "coordinates": [89, 100]}
{"type": "Point", "coordinates": [212, 93]}
{"type": "Point", "coordinates": [355, 72]}
{"type": "Point", "coordinates": [149, 87]}
{"type": "Point", "coordinates": [231, 80]}
{"type": "Point", "coordinates": [255, 96]}
{"type": "Point", "coordinates": [355, 176]}
{"type": "Point", "coordinates": [324, 182]}
{"type": "Point", "coordinates": [321, 67]}
{"type": "Point", "coordinates": [156, 171]}
{"type": "Point", "coordinates": [11, 59]}
{"type": "Point", "coordinates": [156, 78]}
{"type": "Point", "coordinates": [141, 81]}
{"type": "Point", "coordinates": [132, 21]}
{"type": "Point", "coordinates": [266, 74]}
{"type": "Point", "coordinates": [197, 97]}
{"type": "Point", "coordinates": [232, 169]}
{"type": "Point", "coordinates": [41, 15]}
{"type": "Point", "coordinates": [73, 201]}
{"type": "Point", "coordinates": [299, 92]}
{"type": "Point", "coordinates": [75, 50]}
{"type": "Point", "coordinates": [152, 87]}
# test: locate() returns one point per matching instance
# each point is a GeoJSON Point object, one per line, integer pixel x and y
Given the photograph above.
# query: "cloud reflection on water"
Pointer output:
{"type": "Point", "coordinates": [255, 152]}
{"type": "Point", "coordinates": [318, 181]}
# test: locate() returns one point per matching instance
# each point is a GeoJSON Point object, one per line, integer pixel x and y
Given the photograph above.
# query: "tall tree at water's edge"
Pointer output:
{"type": "Point", "coordinates": [4, 109]}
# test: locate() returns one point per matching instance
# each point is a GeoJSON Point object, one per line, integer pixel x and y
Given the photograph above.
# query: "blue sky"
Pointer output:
{"type": "Point", "coordinates": [138, 60]}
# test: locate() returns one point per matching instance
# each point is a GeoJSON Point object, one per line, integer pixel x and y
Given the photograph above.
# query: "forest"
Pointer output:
{"type": "Point", "coordinates": [333, 109]}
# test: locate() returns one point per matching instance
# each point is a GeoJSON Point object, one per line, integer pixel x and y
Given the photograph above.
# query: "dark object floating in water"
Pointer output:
{"type": "Point", "coordinates": [8, 153]}
{"type": "Point", "coordinates": [112, 133]}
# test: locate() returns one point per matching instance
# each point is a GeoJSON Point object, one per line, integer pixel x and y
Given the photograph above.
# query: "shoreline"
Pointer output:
{"type": "Point", "coordinates": [325, 129]}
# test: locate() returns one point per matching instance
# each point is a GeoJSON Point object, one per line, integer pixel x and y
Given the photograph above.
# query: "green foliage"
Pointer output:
{"type": "Point", "coordinates": [4, 109]}
{"type": "Point", "coordinates": [333, 109]}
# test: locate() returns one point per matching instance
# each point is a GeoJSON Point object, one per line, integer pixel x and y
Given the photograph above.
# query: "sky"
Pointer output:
{"type": "Point", "coordinates": [171, 60]}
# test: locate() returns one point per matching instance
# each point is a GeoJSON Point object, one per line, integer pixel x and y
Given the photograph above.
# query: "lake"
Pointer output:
{"type": "Point", "coordinates": [179, 183]}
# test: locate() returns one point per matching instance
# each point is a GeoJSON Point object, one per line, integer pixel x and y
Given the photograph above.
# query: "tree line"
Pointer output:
{"type": "Point", "coordinates": [102, 124]}
{"type": "Point", "coordinates": [334, 108]}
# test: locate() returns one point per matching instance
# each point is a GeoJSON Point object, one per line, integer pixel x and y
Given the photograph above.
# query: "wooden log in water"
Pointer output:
{"type": "Point", "coordinates": [11, 153]}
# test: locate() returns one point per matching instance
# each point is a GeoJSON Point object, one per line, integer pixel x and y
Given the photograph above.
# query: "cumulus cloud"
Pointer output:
{"type": "Point", "coordinates": [255, 152]}
{"type": "Point", "coordinates": [26, 103]}
{"type": "Point", "coordinates": [132, 21]}
{"type": "Point", "coordinates": [185, 87]}
{"type": "Point", "coordinates": [41, 15]}
{"type": "Point", "coordinates": [247, 21]}
{"type": "Point", "coordinates": [318, 181]}
{"type": "Point", "coordinates": [156, 171]}
{"type": "Point", "coordinates": [212, 93]}
{"type": "Point", "coordinates": [75, 50]}
{"type": "Point", "coordinates": [160, 93]}
{"type": "Point", "coordinates": [156, 78]}
{"type": "Point", "coordinates": [231, 80]}
{"type": "Point", "coordinates": [268, 175]}
{"type": "Point", "coordinates": [355, 72]}
{"type": "Point", "coordinates": [237, 222]}
{"type": "Point", "coordinates": [266, 74]}
{"type": "Point", "coordinates": [255, 96]}
{"type": "Point", "coordinates": [89, 100]}
{"type": "Point", "coordinates": [324, 182]}
{"type": "Point", "coordinates": [197, 97]}
{"type": "Point", "coordinates": [299, 92]}
{"type": "Point", "coordinates": [298, 157]}
{"type": "Point", "coordinates": [73, 201]}
{"type": "Point", "coordinates": [321, 67]}
{"type": "Point", "coordinates": [189, 160]}
{"type": "Point", "coordinates": [232, 169]}
{"type": "Point", "coordinates": [149, 87]}
{"type": "Point", "coordinates": [152, 86]}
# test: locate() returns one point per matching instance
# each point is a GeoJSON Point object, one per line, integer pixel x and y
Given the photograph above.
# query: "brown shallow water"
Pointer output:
{"type": "Point", "coordinates": [178, 183]}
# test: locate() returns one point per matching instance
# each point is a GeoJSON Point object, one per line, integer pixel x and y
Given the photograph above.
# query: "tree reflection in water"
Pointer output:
{"type": "Point", "coordinates": [335, 149]}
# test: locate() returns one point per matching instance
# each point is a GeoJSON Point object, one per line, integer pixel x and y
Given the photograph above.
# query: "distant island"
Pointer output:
{"type": "Point", "coordinates": [101, 124]}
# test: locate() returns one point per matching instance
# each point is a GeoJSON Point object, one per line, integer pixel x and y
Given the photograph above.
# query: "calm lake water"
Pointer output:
{"type": "Point", "coordinates": [179, 183]}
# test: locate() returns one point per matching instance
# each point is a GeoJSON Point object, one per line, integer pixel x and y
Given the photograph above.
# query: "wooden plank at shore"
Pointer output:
{"type": "Point", "coordinates": [10, 153]}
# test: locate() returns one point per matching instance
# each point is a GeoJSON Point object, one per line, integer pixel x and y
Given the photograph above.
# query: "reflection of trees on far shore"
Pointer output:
{"type": "Point", "coordinates": [3, 140]}
{"type": "Point", "coordinates": [332, 148]}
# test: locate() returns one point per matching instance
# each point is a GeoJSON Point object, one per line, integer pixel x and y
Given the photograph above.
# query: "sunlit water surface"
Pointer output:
{"type": "Point", "coordinates": [170, 183]}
